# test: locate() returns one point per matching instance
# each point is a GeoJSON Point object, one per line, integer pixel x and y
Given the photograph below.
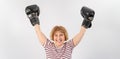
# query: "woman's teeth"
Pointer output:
{"type": "Point", "coordinates": [60, 40]}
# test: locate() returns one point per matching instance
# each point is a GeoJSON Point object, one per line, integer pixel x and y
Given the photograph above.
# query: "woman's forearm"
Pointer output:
{"type": "Point", "coordinates": [42, 38]}
{"type": "Point", "coordinates": [79, 36]}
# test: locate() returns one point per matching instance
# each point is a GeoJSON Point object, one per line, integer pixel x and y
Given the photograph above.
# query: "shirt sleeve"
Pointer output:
{"type": "Point", "coordinates": [47, 43]}
{"type": "Point", "coordinates": [70, 43]}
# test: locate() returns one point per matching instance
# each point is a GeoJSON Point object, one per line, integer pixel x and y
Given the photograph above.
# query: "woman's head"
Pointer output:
{"type": "Point", "coordinates": [59, 34]}
{"type": "Point", "coordinates": [60, 29]}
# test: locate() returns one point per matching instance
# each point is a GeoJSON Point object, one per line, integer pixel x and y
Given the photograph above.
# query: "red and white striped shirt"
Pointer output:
{"type": "Point", "coordinates": [64, 52]}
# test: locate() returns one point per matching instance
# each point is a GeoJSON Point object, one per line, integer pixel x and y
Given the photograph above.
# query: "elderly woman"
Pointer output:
{"type": "Point", "coordinates": [60, 47]}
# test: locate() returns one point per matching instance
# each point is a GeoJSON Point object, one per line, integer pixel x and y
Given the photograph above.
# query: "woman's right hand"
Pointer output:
{"type": "Point", "coordinates": [32, 12]}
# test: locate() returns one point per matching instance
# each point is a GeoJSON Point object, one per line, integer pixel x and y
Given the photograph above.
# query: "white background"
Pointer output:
{"type": "Point", "coordinates": [18, 39]}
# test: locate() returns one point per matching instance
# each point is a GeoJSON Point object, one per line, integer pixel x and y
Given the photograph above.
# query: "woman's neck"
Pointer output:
{"type": "Point", "coordinates": [59, 46]}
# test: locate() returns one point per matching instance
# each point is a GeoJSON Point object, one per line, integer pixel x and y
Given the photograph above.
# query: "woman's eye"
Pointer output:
{"type": "Point", "coordinates": [56, 35]}
{"type": "Point", "coordinates": [61, 34]}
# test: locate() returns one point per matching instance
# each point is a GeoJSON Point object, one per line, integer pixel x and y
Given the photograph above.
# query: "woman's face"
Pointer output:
{"type": "Point", "coordinates": [59, 38]}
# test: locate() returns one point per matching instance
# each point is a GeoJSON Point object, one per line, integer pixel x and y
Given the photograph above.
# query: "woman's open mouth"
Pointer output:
{"type": "Point", "coordinates": [59, 40]}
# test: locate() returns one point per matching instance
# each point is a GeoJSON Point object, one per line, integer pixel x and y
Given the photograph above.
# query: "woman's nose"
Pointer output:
{"type": "Point", "coordinates": [58, 37]}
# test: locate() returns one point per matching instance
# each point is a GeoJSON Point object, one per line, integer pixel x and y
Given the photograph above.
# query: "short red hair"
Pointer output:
{"type": "Point", "coordinates": [61, 29]}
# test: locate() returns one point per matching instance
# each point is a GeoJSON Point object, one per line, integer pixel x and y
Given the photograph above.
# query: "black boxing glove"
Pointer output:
{"type": "Point", "coordinates": [88, 15]}
{"type": "Point", "coordinates": [32, 12]}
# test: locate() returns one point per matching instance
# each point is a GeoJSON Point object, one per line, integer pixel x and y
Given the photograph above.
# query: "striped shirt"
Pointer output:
{"type": "Point", "coordinates": [64, 52]}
